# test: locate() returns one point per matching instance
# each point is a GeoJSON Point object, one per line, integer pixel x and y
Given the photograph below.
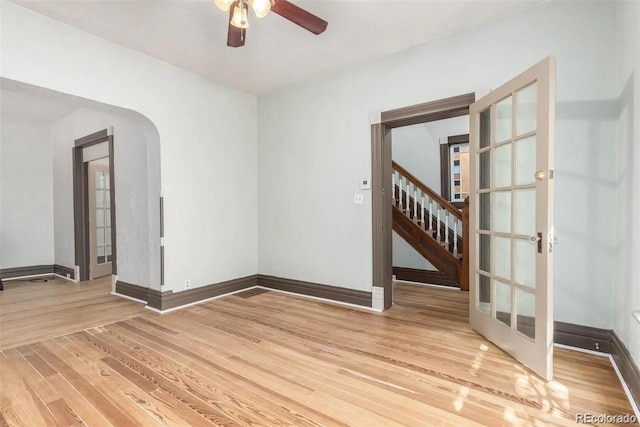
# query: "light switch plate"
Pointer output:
{"type": "Point", "coordinates": [358, 199]}
{"type": "Point", "coordinates": [365, 184]}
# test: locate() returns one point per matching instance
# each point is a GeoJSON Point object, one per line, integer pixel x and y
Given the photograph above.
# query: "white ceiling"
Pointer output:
{"type": "Point", "coordinates": [191, 34]}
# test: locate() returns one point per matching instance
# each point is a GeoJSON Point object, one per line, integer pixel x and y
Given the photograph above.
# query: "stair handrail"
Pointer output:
{"type": "Point", "coordinates": [435, 196]}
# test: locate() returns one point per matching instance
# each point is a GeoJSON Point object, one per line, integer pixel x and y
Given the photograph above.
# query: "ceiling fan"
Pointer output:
{"type": "Point", "coordinates": [239, 22]}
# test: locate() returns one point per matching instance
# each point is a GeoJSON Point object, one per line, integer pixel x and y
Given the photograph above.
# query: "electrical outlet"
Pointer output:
{"type": "Point", "coordinates": [187, 284]}
{"type": "Point", "coordinates": [358, 199]}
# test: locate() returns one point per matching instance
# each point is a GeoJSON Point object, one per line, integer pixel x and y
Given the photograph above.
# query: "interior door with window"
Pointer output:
{"type": "Point", "coordinates": [511, 217]}
{"type": "Point", "coordinates": [100, 261]}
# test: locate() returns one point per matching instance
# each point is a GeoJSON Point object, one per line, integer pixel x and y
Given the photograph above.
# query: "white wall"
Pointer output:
{"type": "Point", "coordinates": [135, 233]}
{"type": "Point", "coordinates": [315, 145]}
{"type": "Point", "coordinates": [26, 193]}
{"type": "Point", "coordinates": [207, 133]}
{"type": "Point", "coordinates": [626, 287]}
{"type": "Point", "coordinates": [417, 149]}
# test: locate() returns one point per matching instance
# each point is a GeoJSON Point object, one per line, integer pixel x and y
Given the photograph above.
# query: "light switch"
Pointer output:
{"type": "Point", "coordinates": [365, 184]}
{"type": "Point", "coordinates": [358, 199]}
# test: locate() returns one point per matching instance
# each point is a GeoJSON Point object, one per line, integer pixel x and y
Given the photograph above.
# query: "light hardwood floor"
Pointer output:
{"type": "Point", "coordinates": [273, 359]}
{"type": "Point", "coordinates": [32, 311]}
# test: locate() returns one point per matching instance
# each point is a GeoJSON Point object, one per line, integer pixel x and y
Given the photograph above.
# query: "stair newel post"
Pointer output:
{"type": "Point", "coordinates": [422, 212]}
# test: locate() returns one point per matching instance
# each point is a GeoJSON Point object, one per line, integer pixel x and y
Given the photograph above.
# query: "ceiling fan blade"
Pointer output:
{"type": "Point", "coordinates": [299, 16]}
{"type": "Point", "coordinates": [235, 36]}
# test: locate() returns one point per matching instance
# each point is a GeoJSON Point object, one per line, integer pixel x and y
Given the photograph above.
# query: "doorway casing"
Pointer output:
{"type": "Point", "coordinates": [81, 202]}
{"type": "Point", "coordinates": [381, 177]}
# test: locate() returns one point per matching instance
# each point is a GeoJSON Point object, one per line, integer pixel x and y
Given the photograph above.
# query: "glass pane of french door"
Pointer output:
{"type": "Point", "coordinates": [511, 216]}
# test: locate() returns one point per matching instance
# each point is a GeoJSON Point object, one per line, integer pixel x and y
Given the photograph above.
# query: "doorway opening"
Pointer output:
{"type": "Point", "coordinates": [432, 160]}
{"type": "Point", "coordinates": [393, 197]}
{"type": "Point", "coordinates": [94, 205]}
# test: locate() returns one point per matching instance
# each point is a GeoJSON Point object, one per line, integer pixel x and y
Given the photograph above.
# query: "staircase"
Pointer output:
{"type": "Point", "coordinates": [434, 227]}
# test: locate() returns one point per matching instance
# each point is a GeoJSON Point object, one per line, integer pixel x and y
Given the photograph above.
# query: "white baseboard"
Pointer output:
{"type": "Point", "coordinates": [155, 310]}
{"type": "Point", "coordinates": [127, 297]}
{"type": "Point", "coordinates": [346, 304]}
{"type": "Point", "coordinates": [35, 276]}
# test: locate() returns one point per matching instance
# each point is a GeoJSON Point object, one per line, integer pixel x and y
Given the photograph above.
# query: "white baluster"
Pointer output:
{"type": "Point", "coordinates": [430, 214]}
{"type": "Point", "coordinates": [438, 224]}
{"type": "Point", "coordinates": [407, 198]}
{"type": "Point", "coordinates": [422, 213]}
{"type": "Point", "coordinates": [393, 187]}
{"type": "Point", "coordinates": [446, 228]}
{"type": "Point", "coordinates": [455, 236]}
{"type": "Point", "coordinates": [415, 203]}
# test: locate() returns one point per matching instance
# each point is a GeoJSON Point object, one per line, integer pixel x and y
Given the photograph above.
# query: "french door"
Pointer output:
{"type": "Point", "coordinates": [100, 262]}
{"type": "Point", "coordinates": [511, 217]}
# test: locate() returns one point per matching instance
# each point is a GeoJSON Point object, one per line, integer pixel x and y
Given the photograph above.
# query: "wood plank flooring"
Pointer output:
{"type": "Point", "coordinates": [33, 311]}
{"type": "Point", "coordinates": [273, 359]}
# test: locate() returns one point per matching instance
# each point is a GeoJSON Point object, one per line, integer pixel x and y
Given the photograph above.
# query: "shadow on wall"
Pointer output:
{"type": "Point", "coordinates": [137, 174]}
{"type": "Point", "coordinates": [585, 198]}
{"type": "Point", "coordinates": [627, 246]}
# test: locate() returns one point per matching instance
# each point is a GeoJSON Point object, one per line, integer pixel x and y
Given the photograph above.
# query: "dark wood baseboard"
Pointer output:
{"type": "Point", "coordinates": [432, 277]}
{"type": "Point", "coordinates": [169, 299]}
{"type": "Point", "coordinates": [628, 368]}
{"type": "Point", "coordinates": [334, 293]}
{"type": "Point", "coordinates": [64, 271]}
{"type": "Point", "coordinates": [579, 336]}
{"type": "Point", "coordinates": [132, 291]}
{"type": "Point", "coordinates": [33, 270]}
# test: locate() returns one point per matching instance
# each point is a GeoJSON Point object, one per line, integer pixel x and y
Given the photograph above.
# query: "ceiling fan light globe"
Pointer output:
{"type": "Point", "coordinates": [223, 5]}
{"type": "Point", "coordinates": [240, 17]}
{"type": "Point", "coordinates": [260, 7]}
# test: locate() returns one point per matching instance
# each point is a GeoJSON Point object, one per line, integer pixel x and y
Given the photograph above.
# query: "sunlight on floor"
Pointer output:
{"type": "Point", "coordinates": [458, 403]}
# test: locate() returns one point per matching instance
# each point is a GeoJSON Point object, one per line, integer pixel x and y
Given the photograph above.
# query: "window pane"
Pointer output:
{"type": "Point", "coordinates": [484, 293]}
{"type": "Point", "coordinates": [107, 215]}
{"type": "Point", "coordinates": [502, 260]}
{"type": "Point", "coordinates": [99, 198]}
{"type": "Point", "coordinates": [503, 302]}
{"type": "Point", "coordinates": [485, 128]}
{"type": "Point", "coordinates": [503, 166]}
{"type": "Point", "coordinates": [99, 180]}
{"type": "Point", "coordinates": [484, 252]}
{"type": "Point", "coordinates": [526, 160]}
{"type": "Point", "coordinates": [525, 252]}
{"type": "Point", "coordinates": [527, 109]}
{"type": "Point", "coordinates": [100, 217]}
{"type": "Point", "coordinates": [484, 170]}
{"type": "Point", "coordinates": [526, 304]}
{"type": "Point", "coordinates": [504, 119]}
{"type": "Point", "coordinates": [107, 183]}
{"type": "Point", "coordinates": [100, 250]}
{"type": "Point", "coordinates": [100, 236]}
{"type": "Point", "coordinates": [502, 211]}
{"type": "Point", "coordinates": [525, 212]}
{"type": "Point", "coordinates": [108, 235]}
{"type": "Point", "coordinates": [484, 213]}
{"type": "Point", "coordinates": [108, 249]}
